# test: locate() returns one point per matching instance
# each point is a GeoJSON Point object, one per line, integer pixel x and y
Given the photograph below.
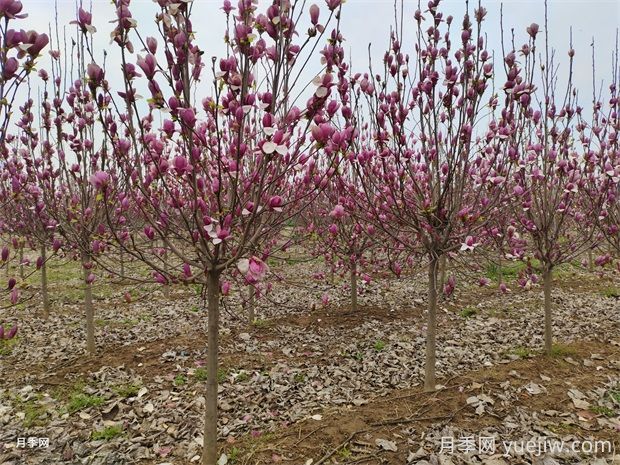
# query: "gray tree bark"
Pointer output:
{"type": "Point", "coordinates": [44, 291]}
{"type": "Point", "coordinates": [209, 455]}
{"type": "Point", "coordinates": [431, 331]}
{"type": "Point", "coordinates": [88, 308]}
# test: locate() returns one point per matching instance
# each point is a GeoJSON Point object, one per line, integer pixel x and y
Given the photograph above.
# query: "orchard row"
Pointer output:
{"type": "Point", "coordinates": [441, 150]}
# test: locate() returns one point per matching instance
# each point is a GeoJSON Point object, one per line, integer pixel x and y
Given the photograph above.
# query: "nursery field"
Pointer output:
{"type": "Point", "coordinates": [308, 383]}
{"type": "Point", "coordinates": [260, 232]}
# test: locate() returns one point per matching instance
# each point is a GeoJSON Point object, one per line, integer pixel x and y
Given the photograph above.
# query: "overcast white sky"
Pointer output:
{"type": "Point", "coordinates": [368, 21]}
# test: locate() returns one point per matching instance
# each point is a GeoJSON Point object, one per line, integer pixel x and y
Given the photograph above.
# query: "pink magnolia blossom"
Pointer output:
{"type": "Point", "coordinates": [333, 4]}
{"type": "Point", "coordinates": [14, 296]}
{"type": "Point", "coordinates": [450, 286]}
{"type": "Point", "coordinates": [148, 65]}
{"type": "Point", "coordinates": [602, 260]}
{"type": "Point", "coordinates": [36, 42]}
{"type": "Point", "coordinates": [275, 203]}
{"type": "Point", "coordinates": [181, 165]}
{"type": "Point", "coordinates": [149, 232]}
{"type": "Point", "coordinates": [11, 333]}
{"type": "Point", "coordinates": [11, 8]}
{"type": "Point", "coordinates": [100, 180]}
{"type": "Point", "coordinates": [160, 278]}
{"type": "Point", "coordinates": [84, 21]}
{"type": "Point", "coordinates": [254, 269]}
{"type": "Point", "coordinates": [227, 7]}
{"type": "Point", "coordinates": [397, 269]}
{"type": "Point", "coordinates": [469, 244]}
{"type": "Point", "coordinates": [217, 233]}
{"type": "Point", "coordinates": [314, 14]}
{"type": "Point", "coordinates": [338, 212]}
{"type": "Point", "coordinates": [188, 117]}
{"type": "Point", "coordinates": [10, 68]}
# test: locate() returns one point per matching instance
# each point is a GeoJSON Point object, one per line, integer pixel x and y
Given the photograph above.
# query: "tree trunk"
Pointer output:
{"type": "Point", "coordinates": [590, 261]}
{"type": "Point", "coordinates": [44, 293]}
{"type": "Point", "coordinates": [431, 331]}
{"type": "Point", "coordinates": [354, 285]}
{"type": "Point", "coordinates": [251, 304]}
{"type": "Point", "coordinates": [209, 454]}
{"type": "Point", "coordinates": [500, 272]}
{"type": "Point", "coordinates": [547, 283]}
{"type": "Point", "coordinates": [167, 285]}
{"type": "Point", "coordinates": [89, 309]}
{"type": "Point", "coordinates": [443, 262]}
{"type": "Point", "coordinates": [21, 262]}
{"type": "Point", "coordinates": [122, 264]}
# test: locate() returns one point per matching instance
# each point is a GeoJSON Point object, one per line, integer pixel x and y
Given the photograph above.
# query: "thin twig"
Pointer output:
{"type": "Point", "coordinates": [340, 446]}
{"type": "Point", "coordinates": [398, 421]}
{"type": "Point", "coordinates": [307, 436]}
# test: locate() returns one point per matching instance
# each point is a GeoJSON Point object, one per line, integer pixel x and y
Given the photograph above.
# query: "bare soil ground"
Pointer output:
{"type": "Point", "coordinates": [350, 435]}
{"type": "Point", "coordinates": [308, 384]}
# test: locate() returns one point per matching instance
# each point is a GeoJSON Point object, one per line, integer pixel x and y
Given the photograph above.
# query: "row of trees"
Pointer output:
{"type": "Point", "coordinates": [440, 154]}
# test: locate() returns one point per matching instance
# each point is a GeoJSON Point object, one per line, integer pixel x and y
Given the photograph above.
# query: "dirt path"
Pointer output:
{"type": "Point", "coordinates": [310, 382]}
{"type": "Point", "coordinates": [404, 417]}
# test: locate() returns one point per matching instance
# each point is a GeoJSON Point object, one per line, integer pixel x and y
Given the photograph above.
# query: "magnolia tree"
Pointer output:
{"type": "Point", "coordinates": [496, 246]}
{"type": "Point", "coordinates": [68, 168]}
{"type": "Point", "coordinates": [432, 172]}
{"type": "Point", "coordinates": [19, 51]}
{"type": "Point", "coordinates": [338, 223]}
{"type": "Point", "coordinates": [10, 241]}
{"type": "Point", "coordinates": [219, 179]}
{"type": "Point", "coordinates": [26, 219]}
{"type": "Point", "coordinates": [601, 147]}
{"type": "Point", "coordinates": [610, 164]}
{"type": "Point", "coordinates": [8, 221]}
{"type": "Point", "coordinates": [552, 180]}
{"type": "Point", "coordinates": [340, 231]}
